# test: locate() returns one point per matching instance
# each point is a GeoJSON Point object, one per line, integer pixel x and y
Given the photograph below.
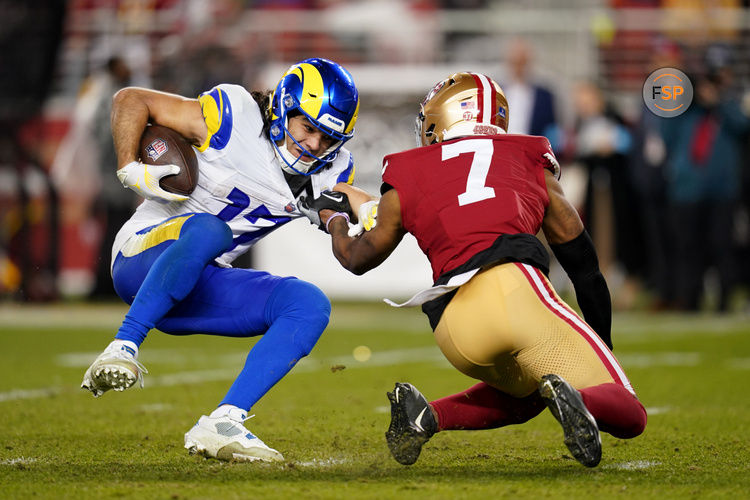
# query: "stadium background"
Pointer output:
{"type": "Point", "coordinates": [396, 50]}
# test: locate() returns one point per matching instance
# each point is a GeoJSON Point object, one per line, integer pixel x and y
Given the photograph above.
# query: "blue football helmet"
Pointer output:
{"type": "Point", "coordinates": [325, 94]}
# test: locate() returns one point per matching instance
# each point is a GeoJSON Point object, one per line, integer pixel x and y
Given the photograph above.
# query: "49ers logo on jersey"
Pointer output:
{"type": "Point", "coordinates": [156, 149]}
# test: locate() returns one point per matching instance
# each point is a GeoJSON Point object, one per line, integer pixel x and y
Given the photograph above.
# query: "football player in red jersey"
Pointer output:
{"type": "Point", "coordinates": [475, 197]}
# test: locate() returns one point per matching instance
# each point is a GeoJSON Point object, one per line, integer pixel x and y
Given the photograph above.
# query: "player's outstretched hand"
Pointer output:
{"type": "Point", "coordinates": [144, 180]}
{"type": "Point", "coordinates": [328, 200]}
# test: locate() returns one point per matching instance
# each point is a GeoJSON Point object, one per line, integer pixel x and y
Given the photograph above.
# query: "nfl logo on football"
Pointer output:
{"type": "Point", "coordinates": [156, 149]}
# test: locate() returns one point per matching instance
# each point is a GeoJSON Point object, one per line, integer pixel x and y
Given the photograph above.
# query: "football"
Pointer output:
{"type": "Point", "coordinates": [162, 146]}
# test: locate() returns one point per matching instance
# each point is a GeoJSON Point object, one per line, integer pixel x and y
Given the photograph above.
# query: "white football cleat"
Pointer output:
{"type": "Point", "coordinates": [226, 438]}
{"type": "Point", "coordinates": [117, 368]}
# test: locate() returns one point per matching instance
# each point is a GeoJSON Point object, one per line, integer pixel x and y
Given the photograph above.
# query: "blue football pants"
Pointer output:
{"type": "Point", "coordinates": [166, 272]}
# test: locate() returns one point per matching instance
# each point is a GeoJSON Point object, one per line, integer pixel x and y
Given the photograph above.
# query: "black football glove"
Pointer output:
{"type": "Point", "coordinates": [328, 200]}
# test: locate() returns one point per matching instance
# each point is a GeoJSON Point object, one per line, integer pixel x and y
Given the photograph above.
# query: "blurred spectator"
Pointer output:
{"type": "Point", "coordinates": [718, 64]}
{"type": "Point", "coordinates": [114, 202]}
{"type": "Point", "coordinates": [743, 225]}
{"type": "Point", "coordinates": [601, 142]}
{"type": "Point", "coordinates": [647, 171]}
{"type": "Point", "coordinates": [201, 64]}
{"type": "Point", "coordinates": [412, 35]}
{"type": "Point", "coordinates": [533, 110]}
{"type": "Point", "coordinates": [84, 171]}
{"type": "Point", "coordinates": [647, 167]}
{"type": "Point", "coordinates": [30, 38]}
{"type": "Point", "coordinates": [704, 154]}
{"type": "Point", "coordinates": [719, 61]}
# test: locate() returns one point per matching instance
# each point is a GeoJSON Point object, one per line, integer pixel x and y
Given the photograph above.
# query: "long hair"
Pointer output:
{"type": "Point", "coordinates": [263, 98]}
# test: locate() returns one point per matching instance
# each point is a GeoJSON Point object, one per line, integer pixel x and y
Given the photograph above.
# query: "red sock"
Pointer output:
{"type": "Point", "coordinates": [484, 407]}
{"type": "Point", "coordinates": [616, 410]}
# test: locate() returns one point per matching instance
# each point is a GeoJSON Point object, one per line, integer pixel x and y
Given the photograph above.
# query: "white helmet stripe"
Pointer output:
{"type": "Point", "coordinates": [488, 98]}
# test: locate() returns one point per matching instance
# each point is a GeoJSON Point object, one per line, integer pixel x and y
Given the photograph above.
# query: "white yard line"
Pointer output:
{"type": "Point", "coordinates": [634, 465]}
{"type": "Point", "coordinates": [657, 410]}
{"type": "Point", "coordinates": [306, 365]}
{"type": "Point", "coordinates": [740, 363]}
{"type": "Point", "coordinates": [647, 360]}
{"type": "Point", "coordinates": [627, 326]}
{"type": "Point", "coordinates": [322, 462]}
{"type": "Point", "coordinates": [19, 461]}
{"type": "Point", "coordinates": [17, 394]}
{"type": "Point", "coordinates": [106, 316]}
{"type": "Point", "coordinates": [312, 364]}
{"type": "Point", "coordinates": [167, 356]}
{"type": "Point", "coordinates": [155, 407]}
{"type": "Point", "coordinates": [192, 377]}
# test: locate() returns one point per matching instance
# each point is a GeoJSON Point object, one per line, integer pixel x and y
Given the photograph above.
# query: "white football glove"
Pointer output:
{"type": "Point", "coordinates": [367, 216]}
{"type": "Point", "coordinates": [144, 180]}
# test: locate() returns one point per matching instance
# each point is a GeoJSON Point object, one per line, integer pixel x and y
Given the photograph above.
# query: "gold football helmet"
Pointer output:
{"type": "Point", "coordinates": [462, 104]}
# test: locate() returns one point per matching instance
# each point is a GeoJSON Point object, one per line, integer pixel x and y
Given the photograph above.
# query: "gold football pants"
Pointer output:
{"type": "Point", "coordinates": [507, 327]}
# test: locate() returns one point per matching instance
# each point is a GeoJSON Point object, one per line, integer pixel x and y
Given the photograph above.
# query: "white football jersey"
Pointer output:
{"type": "Point", "coordinates": [240, 179]}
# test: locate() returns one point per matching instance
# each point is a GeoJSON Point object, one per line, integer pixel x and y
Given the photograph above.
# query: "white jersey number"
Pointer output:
{"type": "Point", "coordinates": [240, 201]}
{"type": "Point", "coordinates": [482, 150]}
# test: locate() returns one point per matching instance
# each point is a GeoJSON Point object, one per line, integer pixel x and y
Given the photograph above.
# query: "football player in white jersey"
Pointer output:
{"type": "Point", "coordinates": [258, 154]}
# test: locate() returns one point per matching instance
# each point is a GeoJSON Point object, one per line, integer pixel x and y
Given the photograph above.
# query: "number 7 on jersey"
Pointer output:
{"type": "Point", "coordinates": [482, 150]}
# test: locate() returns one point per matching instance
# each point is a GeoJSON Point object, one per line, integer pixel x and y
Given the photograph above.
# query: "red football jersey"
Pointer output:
{"type": "Point", "coordinates": [458, 196]}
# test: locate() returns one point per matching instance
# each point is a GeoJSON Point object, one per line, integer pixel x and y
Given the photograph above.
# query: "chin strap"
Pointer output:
{"type": "Point", "coordinates": [293, 165]}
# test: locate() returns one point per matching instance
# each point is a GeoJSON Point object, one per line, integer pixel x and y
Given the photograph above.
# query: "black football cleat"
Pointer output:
{"type": "Point", "coordinates": [579, 427]}
{"type": "Point", "coordinates": [412, 423]}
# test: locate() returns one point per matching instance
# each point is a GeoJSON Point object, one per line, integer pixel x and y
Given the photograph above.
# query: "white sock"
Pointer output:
{"type": "Point", "coordinates": [232, 411]}
{"type": "Point", "coordinates": [118, 344]}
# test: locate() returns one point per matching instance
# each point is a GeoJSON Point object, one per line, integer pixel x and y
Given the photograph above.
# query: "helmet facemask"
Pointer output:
{"type": "Point", "coordinates": [323, 93]}
{"type": "Point", "coordinates": [295, 165]}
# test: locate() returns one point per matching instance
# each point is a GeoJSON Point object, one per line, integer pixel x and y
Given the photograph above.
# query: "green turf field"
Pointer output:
{"type": "Point", "coordinates": [328, 417]}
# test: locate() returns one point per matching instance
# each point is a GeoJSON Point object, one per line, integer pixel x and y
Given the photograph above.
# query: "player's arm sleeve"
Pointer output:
{"type": "Point", "coordinates": [578, 258]}
{"type": "Point", "coordinates": [575, 251]}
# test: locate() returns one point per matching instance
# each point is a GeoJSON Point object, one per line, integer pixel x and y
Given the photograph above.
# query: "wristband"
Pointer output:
{"type": "Point", "coordinates": [337, 214]}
